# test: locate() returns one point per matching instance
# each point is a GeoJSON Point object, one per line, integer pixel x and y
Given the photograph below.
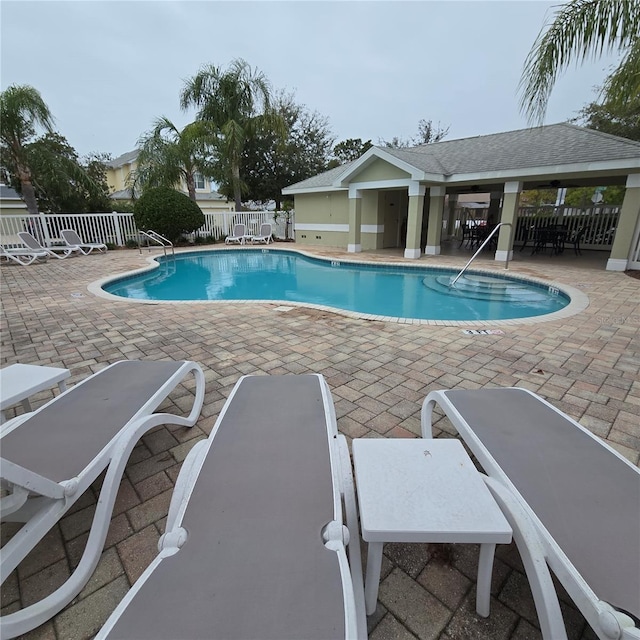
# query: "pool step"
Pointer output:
{"type": "Point", "coordinates": [480, 287]}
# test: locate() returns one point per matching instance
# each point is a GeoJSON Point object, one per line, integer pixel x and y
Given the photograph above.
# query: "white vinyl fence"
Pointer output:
{"type": "Point", "coordinates": [599, 222]}
{"type": "Point", "coordinates": [119, 228]}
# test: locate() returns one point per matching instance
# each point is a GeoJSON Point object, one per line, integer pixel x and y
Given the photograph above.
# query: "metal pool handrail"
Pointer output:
{"type": "Point", "coordinates": [482, 246]}
{"type": "Point", "coordinates": [157, 239]}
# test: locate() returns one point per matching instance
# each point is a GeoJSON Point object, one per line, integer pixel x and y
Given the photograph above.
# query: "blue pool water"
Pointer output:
{"type": "Point", "coordinates": [405, 292]}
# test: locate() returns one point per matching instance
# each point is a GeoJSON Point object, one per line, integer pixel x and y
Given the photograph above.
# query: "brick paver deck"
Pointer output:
{"type": "Point", "coordinates": [379, 372]}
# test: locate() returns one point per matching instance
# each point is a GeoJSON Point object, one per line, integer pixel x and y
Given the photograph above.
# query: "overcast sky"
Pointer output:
{"type": "Point", "coordinates": [106, 69]}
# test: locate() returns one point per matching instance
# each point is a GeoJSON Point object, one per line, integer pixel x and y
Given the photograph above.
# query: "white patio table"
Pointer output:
{"type": "Point", "coordinates": [19, 381]}
{"type": "Point", "coordinates": [424, 490]}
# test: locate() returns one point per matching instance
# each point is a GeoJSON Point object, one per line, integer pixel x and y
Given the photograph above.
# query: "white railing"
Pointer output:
{"type": "Point", "coordinates": [113, 228]}
{"type": "Point", "coordinates": [599, 223]}
{"type": "Point", "coordinates": [119, 229]}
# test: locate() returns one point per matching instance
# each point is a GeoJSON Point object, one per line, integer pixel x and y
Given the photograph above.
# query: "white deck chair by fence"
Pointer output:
{"type": "Point", "coordinates": [238, 235]}
{"type": "Point", "coordinates": [23, 256]}
{"type": "Point", "coordinates": [72, 239]}
{"type": "Point", "coordinates": [57, 252]}
{"type": "Point", "coordinates": [51, 456]}
{"type": "Point", "coordinates": [573, 503]}
{"type": "Point", "coordinates": [265, 235]}
{"type": "Point", "coordinates": [255, 545]}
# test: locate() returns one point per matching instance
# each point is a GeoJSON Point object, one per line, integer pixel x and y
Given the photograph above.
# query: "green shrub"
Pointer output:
{"type": "Point", "coordinates": [168, 212]}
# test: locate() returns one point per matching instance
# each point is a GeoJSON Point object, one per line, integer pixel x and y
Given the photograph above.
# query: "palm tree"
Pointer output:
{"type": "Point", "coordinates": [584, 28]}
{"type": "Point", "coordinates": [168, 155]}
{"type": "Point", "coordinates": [21, 109]}
{"type": "Point", "coordinates": [237, 102]}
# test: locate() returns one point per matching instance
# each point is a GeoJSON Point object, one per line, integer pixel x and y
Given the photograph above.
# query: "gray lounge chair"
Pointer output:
{"type": "Point", "coordinates": [51, 456]}
{"type": "Point", "coordinates": [265, 235]}
{"type": "Point", "coordinates": [254, 545]}
{"type": "Point", "coordinates": [72, 239]}
{"type": "Point", "coordinates": [22, 256]}
{"type": "Point", "coordinates": [239, 235]}
{"type": "Point", "coordinates": [572, 500]}
{"type": "Point", "coordinates": [56, 252]}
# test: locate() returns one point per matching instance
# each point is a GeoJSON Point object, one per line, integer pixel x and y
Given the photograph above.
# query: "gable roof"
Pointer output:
{"type": "Point", "coordinates": [9, 193]}
{"type": "Point", "coordinates": [524, 152]}
{"type": "Point", "coordinates": [324, 179]}
{"type": "Point", "coordinates": [125, 158]}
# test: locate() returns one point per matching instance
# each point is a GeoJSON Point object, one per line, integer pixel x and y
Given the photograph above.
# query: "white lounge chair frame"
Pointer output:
{"type": "Point", "coordinates": [335, 535]}
{"type": "Point", "coordinates": [57, 252]}
{"type": "Point", "coordinates": [41, 501]}
{"type": "Point", "coordinates": [265, 235]}
{"type": "Point", "coordinates": [22, 256]}
{"type": "Point", "coordinates": [239, 234]}
{"type": "Point", "coordinates": [73, 240]}
{"type": "Point", "coordinates": [538, 549]}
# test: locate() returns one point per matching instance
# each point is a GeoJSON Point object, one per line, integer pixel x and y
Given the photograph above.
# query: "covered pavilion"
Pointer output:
{"type": "Point", "coordinates": [389, 197]}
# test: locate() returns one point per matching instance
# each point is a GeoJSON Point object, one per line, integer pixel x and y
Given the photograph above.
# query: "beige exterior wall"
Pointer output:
{"type": "Point", "coordinates": [215, 206]}
{"type": "Point", "coordinates": [13, 207]}
{"type": "Point", "coordinates": [319, 209]}
{"type": "Point", "coordinates": [117, 178]}
{"type": "Point", "coordinates": [380, 170]}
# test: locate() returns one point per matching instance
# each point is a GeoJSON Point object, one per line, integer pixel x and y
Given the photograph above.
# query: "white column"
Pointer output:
{"type": "Point", "coordinates": [434, 231]}
{"type": "Point", "coordinates": [627, 220]}
{"type": "Point", "coordinates": [510, 202]}
{"type": "Point", "coordinates": [355, 221]}
{"type": "Point", "coordinates": [414, 220]}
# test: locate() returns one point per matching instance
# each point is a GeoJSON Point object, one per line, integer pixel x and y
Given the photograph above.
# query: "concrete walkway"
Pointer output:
{"type": "Point", "coordinates": [379, 372]}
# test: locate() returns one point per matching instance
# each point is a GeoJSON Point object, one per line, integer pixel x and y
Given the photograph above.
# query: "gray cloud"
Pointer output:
{"type": "Point", "coordinates": [107, 69]}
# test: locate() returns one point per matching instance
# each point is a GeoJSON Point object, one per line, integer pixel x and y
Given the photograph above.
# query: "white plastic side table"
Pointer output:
{"type": "Point", "coordinates": [19, 381]}
{"type": "Point", "coordinates": [424, 491]}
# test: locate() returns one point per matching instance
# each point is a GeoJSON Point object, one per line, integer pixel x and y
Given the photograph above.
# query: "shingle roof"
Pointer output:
{"type": "Point", "coordinates": [125, 158]}
{"type": "Point", "coordinates": [324, 179]}
{"type": "Point", "coordinates": [551, 145]}
{"type": "Point", "coordinates": [8, 193]}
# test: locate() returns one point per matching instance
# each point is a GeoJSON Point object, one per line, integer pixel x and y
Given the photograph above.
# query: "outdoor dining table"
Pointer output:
{"type": "Point", "coordinates": [553, 235]}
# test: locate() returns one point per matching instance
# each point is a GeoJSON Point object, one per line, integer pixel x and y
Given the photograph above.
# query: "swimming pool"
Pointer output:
{"type": "Point", "coordinates": [384, 291]}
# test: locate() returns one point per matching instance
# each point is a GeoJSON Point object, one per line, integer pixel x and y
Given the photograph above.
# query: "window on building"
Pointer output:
{"type": "Point", "coordinates": [199, 180]}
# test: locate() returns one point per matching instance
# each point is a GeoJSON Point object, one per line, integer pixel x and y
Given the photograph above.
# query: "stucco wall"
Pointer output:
{"type": "Point", "coordinates": [379, 170]}
{"type": "Point", "coordinates": [322, 218]}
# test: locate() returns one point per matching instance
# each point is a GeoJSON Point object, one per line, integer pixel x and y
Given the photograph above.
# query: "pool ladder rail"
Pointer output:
{"type": "Point", "coordinates": [152, 236]}
{"type": "Point", "coordinates": [482, 246]}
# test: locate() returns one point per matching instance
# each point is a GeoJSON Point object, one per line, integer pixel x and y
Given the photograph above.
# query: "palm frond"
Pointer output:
{"type": "Point", "coordinates": [580, 29]}
{"type": "Point", "coordinates": [622, 88]}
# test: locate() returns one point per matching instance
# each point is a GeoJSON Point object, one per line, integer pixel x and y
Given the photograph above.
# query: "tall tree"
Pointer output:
{"type": "Point", "coordinates": [168, 155]}
{"type": "Point", "coordinates": [61, 181]}
{"type": "Point", "coordinates": [272, 163]}
{"type": "Point", "coordinates": [237, 102]}
{"type": "Point", "coordinates": [612, 118]}
{"type": "Point", "coordinates": [427, 133]}
{"type": "Point", "coordinates": [21, 110]}
{"type": "Point", "coordinates": [583, 28]}
{"type": "Point", "coordinates": [348, 150]}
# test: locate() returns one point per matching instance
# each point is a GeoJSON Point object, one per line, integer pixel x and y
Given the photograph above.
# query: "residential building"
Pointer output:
{"type": "Point", "coordinates": [121, 168]}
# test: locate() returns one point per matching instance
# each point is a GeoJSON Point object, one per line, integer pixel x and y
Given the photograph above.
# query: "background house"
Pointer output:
{"type": "Point", "coordinates": [10, 201]}
{"type": "Point", "coordinates": [120, 169]}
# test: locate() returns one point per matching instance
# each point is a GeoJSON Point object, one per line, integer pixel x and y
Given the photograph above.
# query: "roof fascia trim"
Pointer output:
{"type": "Point", "coordinates": [629, 164]}
{"type": "Point", "coordinates": [324, 189]}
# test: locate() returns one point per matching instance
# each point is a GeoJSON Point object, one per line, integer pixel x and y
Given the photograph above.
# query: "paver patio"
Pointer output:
{"type": "Point", "coordinates": [379, 373]}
